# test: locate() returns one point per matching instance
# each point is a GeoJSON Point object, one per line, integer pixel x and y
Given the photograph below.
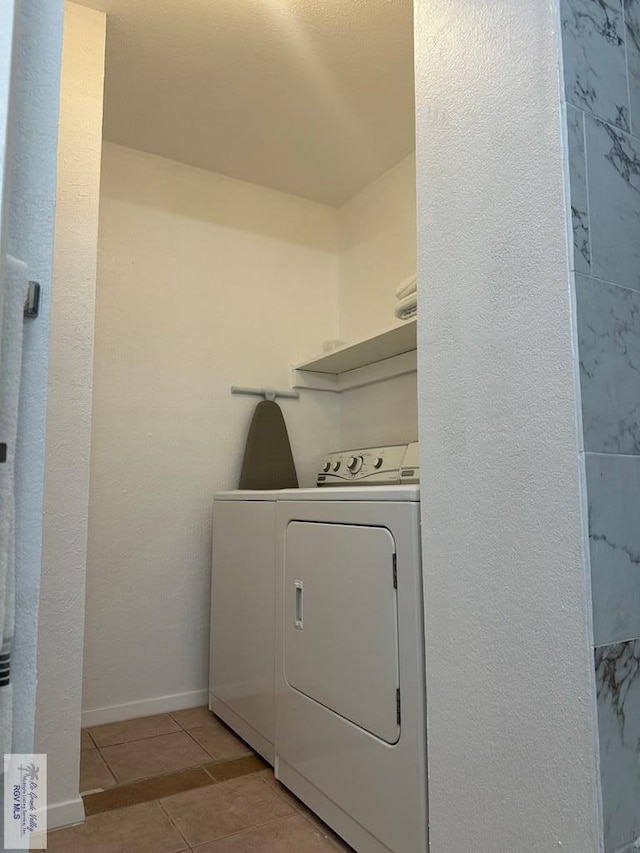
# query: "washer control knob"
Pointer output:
{"type": "Point", "coordinates": [378, 463]}
{"type": "Point", "coordinates": [326, 466]}
{"type": "Point", "coordinates": [336, 466]}
{"type": "Point", "coordinates": [354, 464]}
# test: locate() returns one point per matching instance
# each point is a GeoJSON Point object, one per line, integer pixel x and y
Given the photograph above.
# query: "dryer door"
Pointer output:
{"type": "Point", "coordinates": [341, 622]}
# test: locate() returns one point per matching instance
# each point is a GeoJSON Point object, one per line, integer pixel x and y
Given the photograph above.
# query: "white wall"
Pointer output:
{"type": "Point", "coordinates": [510, 684]}
{"type": "Point", "coordinates": [30, 236]}
{"type": "Point", "coordinates": [384, 413]}
{"type": "Point", "coordinates": [69, 409]}
{"type": "Point", "coordinates": [204, 282]}
{"type": "Point", "coordinates": [377, 252]}
{"type": "Point", "coordinates": [7, 72]}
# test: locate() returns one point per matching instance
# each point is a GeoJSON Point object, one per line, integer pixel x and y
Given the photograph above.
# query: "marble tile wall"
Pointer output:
{"type": "Point", "coordinates": [601, 59]}
{"type": "Point", "coordinates": [618, 685]}
{"type": "Point", "coordinates": [614, 533]}
{"type": "Point", "coordinates": [609, 349]}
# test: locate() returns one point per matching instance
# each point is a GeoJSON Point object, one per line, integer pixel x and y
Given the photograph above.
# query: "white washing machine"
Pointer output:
{"type": "Point", "coordinates": [350, 670]}
{"type": "Point", "coordinates": [242, 651]}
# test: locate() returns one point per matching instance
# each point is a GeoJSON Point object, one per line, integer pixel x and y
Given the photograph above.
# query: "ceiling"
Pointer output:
{"type": "Point", "coordinates": [311, 97]}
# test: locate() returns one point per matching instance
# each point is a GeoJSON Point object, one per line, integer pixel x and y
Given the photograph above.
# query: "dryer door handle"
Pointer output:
{"type": "Point", "coordinates": [299, 592]}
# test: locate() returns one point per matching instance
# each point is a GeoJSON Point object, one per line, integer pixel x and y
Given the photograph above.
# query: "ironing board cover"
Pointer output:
{"type": "Point", "coordinates": [268, 461]}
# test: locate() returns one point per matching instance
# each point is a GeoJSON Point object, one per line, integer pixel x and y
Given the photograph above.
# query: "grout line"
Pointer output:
{"type": "Point", "coordinates": [608, 122]}
{"type": "Point", "coordinates": [204, 749]}
{"type": "Point", "coordinates": [173, 823]}
{"type": "Point", "coordinates": [213, 757]}
{"type": "Point", "coordinates": [627, 67]}
{"type": "Point", "coordinates": [616, 643]}
{"type": "Point", "coordinates": [601, 280]}
{"type": "Point", "coordinates": [138, 739]}
{"type": "Point", "coordinates": [109, 768]}
{"type": "Point", "coordinates": [177, 722]}
{"type": "Point", "coordinates": [612, 455]}
{"type": "Point", "coordinates": [215, 781]}
{"type": "Point", "coordinates": [249, 829]}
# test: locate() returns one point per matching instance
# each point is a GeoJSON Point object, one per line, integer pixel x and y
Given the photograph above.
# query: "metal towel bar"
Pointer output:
{"type": "Point", "coordinates": [267, 393]}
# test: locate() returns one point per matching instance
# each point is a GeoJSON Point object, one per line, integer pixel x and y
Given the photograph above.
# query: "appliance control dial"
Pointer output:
{"type": "Point", "coordinates": [355, 464]}
{"type": "Point", "coordinates": [326, 466]}
{"type": "Point", "coordinates": [378, 463]}
{"type": "Point", "coordinates": [336, 466]}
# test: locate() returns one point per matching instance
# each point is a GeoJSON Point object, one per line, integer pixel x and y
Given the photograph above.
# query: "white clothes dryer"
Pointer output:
{"type": "Point", "coordinates": [350, 670]}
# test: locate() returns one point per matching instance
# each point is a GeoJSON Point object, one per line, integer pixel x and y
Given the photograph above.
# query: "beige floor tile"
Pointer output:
{"type": "Point", "coordinates": [152, 756]}
{"type": "Point", "coordinates": [326, 831]}
{"type": "Point", "coordinates": [85, 740]}
{"type": "Point", "coordinates": [139, 829]}
{"type": "Point", "coordinates": [94, 773]}
{"type": "Point", "coordinates": [219, 741]}
{"type": "Point", "coordinates": [268, 777]}
{"type": "Point", "coordinates": [224, 809]}
{"type": "Point", "coordinates": [193, 718]}
{"type": "Point", "coordinates": [291, 835]}
{"type": "Point", "coordinates": [129, 730]}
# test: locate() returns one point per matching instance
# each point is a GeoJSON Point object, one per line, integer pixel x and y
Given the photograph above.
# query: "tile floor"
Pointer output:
{"type": "Point", "coordinates": [184, 782]}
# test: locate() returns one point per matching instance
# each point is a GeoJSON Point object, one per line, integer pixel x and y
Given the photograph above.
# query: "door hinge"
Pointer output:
{"type": "Point", "coordinates": [32, 303]}
{"type": "Point", "coordinates": [398, 705]}
{"type": "Point", "coordinates": [395, 572]}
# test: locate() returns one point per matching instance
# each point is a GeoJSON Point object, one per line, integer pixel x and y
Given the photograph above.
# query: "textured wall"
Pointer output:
{"type": "Point", "coordinates": [601, 41]}
{"type": "Point", "coordinates": [7, 24]}
{"type": "Point", "coordinates": [204, 282]}
{"type": "Point", "coordinates": [384, 413]}
{"type": "Point", "coordinates": [510, 683]}
{"type": "Point", "coordinates": [60, 640]}
{"type": "Point", "coordinates": [377, 252]}
{"type": "Point", "coordinates": [30, 236]}
{"type": "Point", "coordinates": [27, 190]}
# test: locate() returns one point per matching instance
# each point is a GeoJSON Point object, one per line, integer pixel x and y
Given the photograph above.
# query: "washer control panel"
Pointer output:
{"type": "Point", "coordinates": [370, 465]}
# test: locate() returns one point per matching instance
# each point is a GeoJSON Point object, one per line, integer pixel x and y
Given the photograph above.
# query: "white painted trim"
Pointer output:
{"type": "Point", "coordinates": [65, 814]}
{"type": "Point", "coordinates": [144, 708]}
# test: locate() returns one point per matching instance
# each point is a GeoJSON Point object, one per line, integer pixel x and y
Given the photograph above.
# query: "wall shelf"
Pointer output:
{"type": "Point", "coordinates": [382, 356]}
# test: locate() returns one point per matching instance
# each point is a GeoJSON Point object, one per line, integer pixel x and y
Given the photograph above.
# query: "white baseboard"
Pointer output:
{"type": "Point", "coordinates": [65, 814]}
{"type": "Point", "coordinates": [144, 708]}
